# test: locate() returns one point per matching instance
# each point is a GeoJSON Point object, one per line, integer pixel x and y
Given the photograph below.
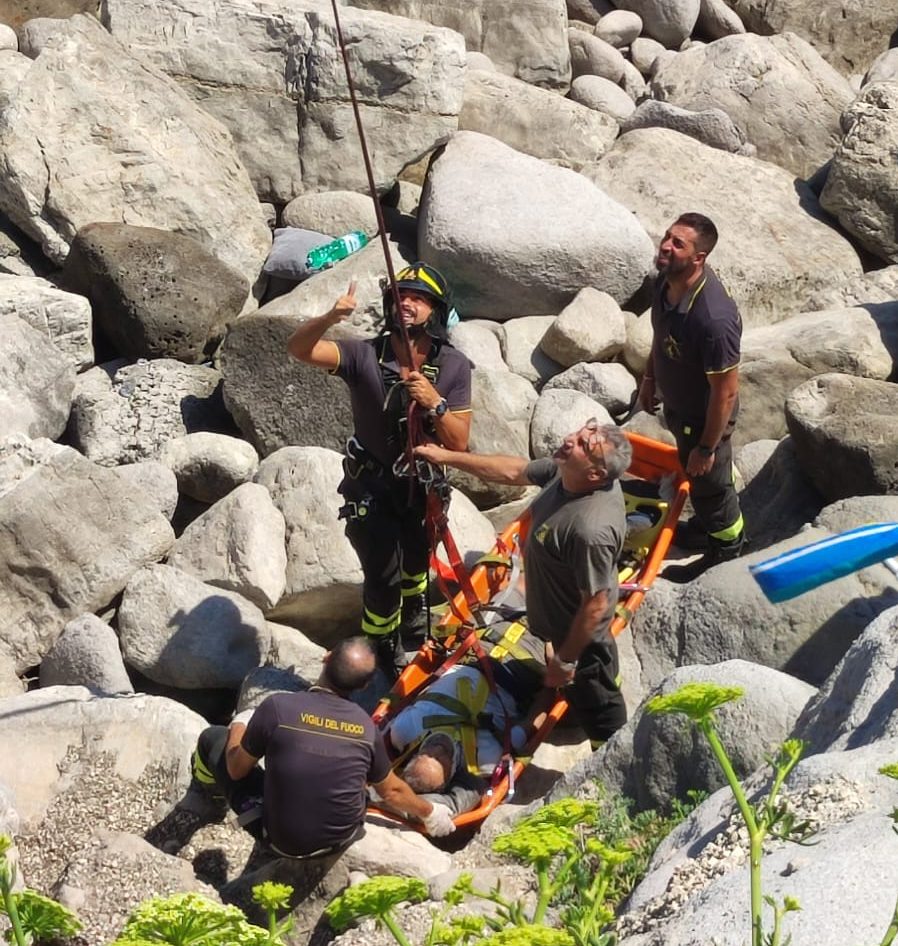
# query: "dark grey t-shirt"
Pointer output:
{"type": "Point", "coordinates": [701, 335]}
{"type": "Point", "coordinates": [574, 543]}
{"type": "Point", "coordinates": [360, 368]}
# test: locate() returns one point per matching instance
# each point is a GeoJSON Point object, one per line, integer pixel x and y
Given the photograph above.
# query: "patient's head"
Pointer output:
{"type": "Point", "coordinates": [430, 769]}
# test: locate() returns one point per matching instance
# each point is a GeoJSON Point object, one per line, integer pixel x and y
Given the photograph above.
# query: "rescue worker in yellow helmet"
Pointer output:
{"type": "Point", "coordinates": [383, 522]}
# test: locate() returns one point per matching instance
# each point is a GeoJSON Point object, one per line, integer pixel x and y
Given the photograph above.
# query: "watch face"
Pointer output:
{"type": "Point", "coordinates": [441, 408]}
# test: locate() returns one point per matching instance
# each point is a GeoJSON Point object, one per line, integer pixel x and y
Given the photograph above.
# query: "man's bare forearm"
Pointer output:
{"type": "Point", "coordinates": [308, 333]}
{"type": "Point", "coordinates": [721, 401]}
{"type": "Point", "coordinates": [494, 468]}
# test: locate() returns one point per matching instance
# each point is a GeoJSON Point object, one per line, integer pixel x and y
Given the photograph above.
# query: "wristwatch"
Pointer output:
{"type": "Point", "coordinates": [706, 451]}
{"type": "Point", "coordinates": [440, 409]}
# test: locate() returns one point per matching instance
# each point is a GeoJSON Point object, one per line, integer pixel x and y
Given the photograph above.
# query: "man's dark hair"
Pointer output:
{"type": "Point", "coordinates": [350, 665]}
{"type": "Point", "coordinates": [705, 231]}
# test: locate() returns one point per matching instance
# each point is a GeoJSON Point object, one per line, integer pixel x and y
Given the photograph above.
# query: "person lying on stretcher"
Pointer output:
{"type": "Point", "coordinates": [484, 709]}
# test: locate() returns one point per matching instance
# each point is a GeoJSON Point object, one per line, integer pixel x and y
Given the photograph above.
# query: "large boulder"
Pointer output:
{"type": "Point", "coordinates": [73, 534]}
{"type": "Point", "coordinates": [602, 96]}
{"type": "Point", "coordinates": [237, 544]}
{"type": "Point", "coordinates": [523, 40]}
{"type": "Point", "coordinates": [849, 34]}
{"type": "Point", "coordinates": [63, 317]}
{"type": "Point", "coordinates": [777, 89]}
{"type": "Point", "coordinates": [778, 358]}
{"type": "Point", "coordinates": [668, 21]}
{"type": "Point", "coordinates": [122, 413]}
{"type": "Point", "coordinates": [154, 294]}
{"type": "Point", "coordinates": [75, 153]}
{"type": "Point", "coordinates": [610, 384]}
{"type": "Point", "coordinates": [86, 654]}
{"type": "Point", "coordinates": [521, 237]}
{"type": "Point", "coordinates": [710, 126]}
{"type": "Point", "coordinates": [844, 434]}
{"type": "Point", "coordinates": [592, 56]}
{"type": "Point", "coordinates": [521, 349]}
{"type": "Point", "coordinates": [273, 76]}
{"type": "Point", "coordinates": [71, 733]}
{"type": "Point", "coordinates": [535, 121]}
{"type": "Point", "coordinates": [183, 633]}
{"type": "Point", "coordinates": [862, 185]}
{"type": "Point", "coordinates": [777, 499]}
{"type": "Point", "coordinates": [856, 706]}
{"type": "Point", "coordinates": [323, 593]}
{"type": "Point", "coordinates": [275, 400]}
{"type": "Point", "coordinates": [657, 758]}
{"type": "Point", "coordinates": [333, 212]}
{"type": "Point", "coordinates": [659, 174]}
{"type": "Point", "coordinates": [502, 403]}
{"type": "Point", "coordinates": [870, 288]}
{"type": "Point", "coordinates": [591, 328]}
{"type": "Point", "coordinates": [37, 381]}
{"type": "Point", "coordinates": [208, 466]}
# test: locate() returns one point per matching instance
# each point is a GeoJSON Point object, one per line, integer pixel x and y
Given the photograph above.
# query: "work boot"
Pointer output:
{"type": "Point", "coordinates": [691, 536]}
{"type": "Point", "coordinates": [204, 801]}
{"type": "Point", "coordinates": [717, 552]}
{"type": "Point", "coordinates": [414, 624]}
{"type": "Point", "coordinates": [390, 655]}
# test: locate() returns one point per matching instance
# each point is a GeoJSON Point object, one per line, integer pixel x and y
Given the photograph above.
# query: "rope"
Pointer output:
{"type": "Point", "coordinates": [414, 426]}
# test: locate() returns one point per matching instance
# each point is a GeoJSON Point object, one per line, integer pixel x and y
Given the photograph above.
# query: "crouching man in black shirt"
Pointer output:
{"type": "Point", "coordinates": [320, 751]}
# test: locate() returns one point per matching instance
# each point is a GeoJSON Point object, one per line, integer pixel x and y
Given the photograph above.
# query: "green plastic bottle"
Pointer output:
{"type": "Point", "coordinates": [323, 257]}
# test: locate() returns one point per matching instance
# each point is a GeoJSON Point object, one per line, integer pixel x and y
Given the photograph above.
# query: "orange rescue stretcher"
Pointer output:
{"type": "Point", "coordinates": [652, 519]}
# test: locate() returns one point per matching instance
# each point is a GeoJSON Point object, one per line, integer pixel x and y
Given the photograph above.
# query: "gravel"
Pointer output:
{"type": "Point", "coordinates": [61, 851]}
{"type": "Point", "coordinates": [826, 803]}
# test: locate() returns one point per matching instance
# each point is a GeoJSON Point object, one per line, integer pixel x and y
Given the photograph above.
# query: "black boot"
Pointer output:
{"type": "Point", "coordinates": [690, 535]}
{"type": "Point", "coordinates": [415, 622]}
{"type": "Point", "coordinates": [390, 655]}
{"type": "Point", "coordinates": [717, 552]}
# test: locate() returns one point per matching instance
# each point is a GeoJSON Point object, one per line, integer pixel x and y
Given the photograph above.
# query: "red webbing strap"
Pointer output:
{"type": "Point", "coordinates": [438, 531]}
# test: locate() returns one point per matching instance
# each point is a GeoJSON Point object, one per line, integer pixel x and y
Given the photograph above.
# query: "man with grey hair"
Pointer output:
{"type": "Point", "coordinates": [577, 530]}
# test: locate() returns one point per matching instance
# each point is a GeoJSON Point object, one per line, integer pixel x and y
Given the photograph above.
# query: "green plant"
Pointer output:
{"type": "Point", "coordinates": [273, 897]}
{"type": "Point", "coordinates": [32, 917]}
{"type": "Point", "coordinates": [375, 898]}
{"type": "Point", "coordinates": [583, 854]}
{"type": "Point", "coordinates": [188, 919]}
{"type": "Point", "coordinates": [698, 701]}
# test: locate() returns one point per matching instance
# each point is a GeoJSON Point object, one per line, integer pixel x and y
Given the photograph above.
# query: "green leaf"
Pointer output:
{"type": "Point", "coordinates": [373, 897]}
{"type": "Point", "coordinates": [272, 896]}
{"type": "Point", "coordinates": [695, 700]}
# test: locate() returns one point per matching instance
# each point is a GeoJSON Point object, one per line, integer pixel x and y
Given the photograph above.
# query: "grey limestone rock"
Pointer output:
{"type": "Point", "coordinates": [181, 632]}
{"type": "Point", "coordinates": [558, 232]}
{"type": "Point", "coordinates": [123, 412]}
{"type": "Point", "coordinates": [62, 317]}
{"type": "Point", "coordinates": [37, 381]}
{"type": "Point", "coordinates": [769, 279]}
{"type": "Point", "coordinates": [843, 429]}
{"type": "Point", "coordinates": [237, 544]}
{"type": "Point", "coordinates": [535, 121]}
{"type": "Point", "coordinates": [777, 89]}
{"type": "Point", "coordinates": [61, 122]}
{"type": "Point", "coordinates": [208, 465]}
{"type": "Point", "coordinates": [86, 654]}
{"type": "Point", "coordinates": [154, 294]}
{"type": "Point", "coordinates": [73, 534]}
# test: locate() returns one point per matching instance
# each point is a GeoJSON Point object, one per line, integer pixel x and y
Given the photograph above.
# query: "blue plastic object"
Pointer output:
{"type": "Point", "coordinates": [799, 570]}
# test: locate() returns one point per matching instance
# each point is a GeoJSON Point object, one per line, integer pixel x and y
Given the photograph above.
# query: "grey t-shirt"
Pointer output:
{"type": "Point", "coordinates": [574, 543]}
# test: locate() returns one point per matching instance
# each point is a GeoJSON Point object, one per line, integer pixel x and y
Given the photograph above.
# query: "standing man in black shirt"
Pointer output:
{"type": "Point", "coordinates": [320, 751]}
{"type": "Point", "coordinates": [694, 368]}
{"type": "Point", "coordinates": [384, 522]}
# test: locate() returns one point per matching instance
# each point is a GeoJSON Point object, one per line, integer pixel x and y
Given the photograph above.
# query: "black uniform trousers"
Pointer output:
{"type": "Point", "coordinates": [713, 495]}
{"type": "Point", "coordinates": [386, 527]}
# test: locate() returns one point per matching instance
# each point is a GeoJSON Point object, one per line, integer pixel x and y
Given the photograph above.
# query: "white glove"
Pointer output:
{"type": "Point", "coordinates": [243, 717]}
{"type": "Point", "coordinates": [439, 822]}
